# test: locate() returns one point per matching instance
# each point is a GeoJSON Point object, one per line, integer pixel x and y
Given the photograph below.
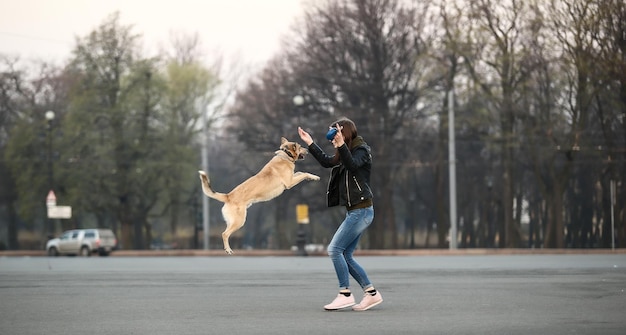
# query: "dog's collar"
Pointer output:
{"type": "Point", "coordinates": [288, 153]}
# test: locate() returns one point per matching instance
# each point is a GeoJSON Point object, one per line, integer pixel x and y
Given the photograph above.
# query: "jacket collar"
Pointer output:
{"type": "Point", "coordinates": [357, 142]}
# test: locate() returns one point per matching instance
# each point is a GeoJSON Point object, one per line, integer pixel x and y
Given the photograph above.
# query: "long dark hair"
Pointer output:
{"type": "Point", "coordinates": [348, 130]}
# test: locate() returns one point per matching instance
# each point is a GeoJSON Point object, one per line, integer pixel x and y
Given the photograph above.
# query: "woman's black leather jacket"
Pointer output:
{"type": "Point", "coordinates": [349, 180]}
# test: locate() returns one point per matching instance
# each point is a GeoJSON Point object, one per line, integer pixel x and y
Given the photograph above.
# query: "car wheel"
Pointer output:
{"type": "Point", "coordinates": [53, 252]}
{"type": "Point", "coordinates": [84, 251]}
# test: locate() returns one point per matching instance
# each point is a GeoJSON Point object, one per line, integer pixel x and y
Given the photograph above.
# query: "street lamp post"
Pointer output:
{"type": "Point", "coordinates": [50, 118]}
{"type": "Point", "coordinates": [298, 101]}
{"type": "Point", "coordinates": [205, 167]}
{"type": "Point", "coordinates": [452, 171]}
{"type": "Point", "coordinates": [302, 210]}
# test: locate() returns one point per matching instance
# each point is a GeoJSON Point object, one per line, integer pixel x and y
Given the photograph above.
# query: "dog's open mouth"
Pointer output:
{"type": "Point", "coordinates": [302, 153]}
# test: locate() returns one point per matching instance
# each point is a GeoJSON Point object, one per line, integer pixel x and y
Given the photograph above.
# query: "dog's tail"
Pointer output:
{"type": "Point", "coordinates": [206, 188]}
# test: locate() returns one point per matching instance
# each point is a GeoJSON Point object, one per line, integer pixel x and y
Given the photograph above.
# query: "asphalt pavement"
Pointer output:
{"type": "Point", "coordinates": [471, 294]}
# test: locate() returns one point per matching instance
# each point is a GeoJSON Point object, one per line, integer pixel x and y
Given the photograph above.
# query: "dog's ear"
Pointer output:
{"type": "Point", "coordinates": [283, 140]}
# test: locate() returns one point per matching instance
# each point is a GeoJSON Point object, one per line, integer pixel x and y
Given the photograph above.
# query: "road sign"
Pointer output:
{"type": "Point", "coordinates": [51, 199]}
{"type": "Point", "coordinates": [59, 212]}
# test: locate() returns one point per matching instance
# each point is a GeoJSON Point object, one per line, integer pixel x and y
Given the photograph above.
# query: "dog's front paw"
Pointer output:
{"type": "Point", "coordinates": [313, 177]}
{"type": "Point", "coordinates": [229, 251]}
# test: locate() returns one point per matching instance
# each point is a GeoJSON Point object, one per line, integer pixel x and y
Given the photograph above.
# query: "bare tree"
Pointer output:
{"type": "Point", "coordinates": [610, 103]}
{"type": "Point", "coordinates": [11, 82]}
{"type": "Point", "coordinates": [568, 22]}
{"type": "Point", "coordinates": [499, 67]}
{"type": "Point", "coordinates": [25, 95]}
{"type": "Point", "coordinates": [361, 59]}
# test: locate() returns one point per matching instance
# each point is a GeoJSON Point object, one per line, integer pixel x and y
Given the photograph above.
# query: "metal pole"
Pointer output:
{"type": "Point", "coordinates": [452, 170]}
{"type": "Point", "coordinates": [205, 168]}
{"type": "Point", "coordinates": [613, 214]}
{"type": "Point", "coordinates": [49, 115]}
{"type": "Point", "coordinates": [50, 172]}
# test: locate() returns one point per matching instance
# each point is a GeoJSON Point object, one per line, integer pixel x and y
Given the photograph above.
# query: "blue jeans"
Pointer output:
{"type": "Point", "coordinates": [344, 243]}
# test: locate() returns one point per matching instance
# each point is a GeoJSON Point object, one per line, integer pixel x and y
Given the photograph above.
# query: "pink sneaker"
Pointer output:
{"type": "Point", "coordinates": [368, 302]}
{"type": "Point", "coordinates": [341, 301]}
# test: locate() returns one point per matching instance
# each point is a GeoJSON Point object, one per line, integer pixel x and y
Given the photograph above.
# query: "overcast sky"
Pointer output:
{"type": "Point", "coordinates": [250, 29]}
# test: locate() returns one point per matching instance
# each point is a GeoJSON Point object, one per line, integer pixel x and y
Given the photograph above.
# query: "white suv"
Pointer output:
{"type": "Point", "coordinates": [83, 242]}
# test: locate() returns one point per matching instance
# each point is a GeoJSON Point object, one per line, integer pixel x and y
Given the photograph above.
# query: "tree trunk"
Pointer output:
{"type": "Point", "coordinates": [605, 241]}
{"type": "Point", "coordinates": [283, 222]}
{"type": "Point", "coordinates": [138, 236]}
{"type": "Point", "coordinates": [507, 203]}
{"type": "Point", "coordinates": [384, 221]}
{"type": "Point", "coordinates": [559, 227]}
{"type": "Point", "coordinates": [554, 228]}
{"type": "Point", "coordinates": [511, 232]}
{"type": "Point", "coordinates": [388, 213]}
{"type": "Point", "coordinates": [126, 220]}
{"type": "Point", "coordinates": [174, 212]}
{"type": "Point", "coordinates": [586, 190]}
{"type": "Point", "coordinates": [13, 242]}
{"type": "Point", "coordinates": [127, 238]}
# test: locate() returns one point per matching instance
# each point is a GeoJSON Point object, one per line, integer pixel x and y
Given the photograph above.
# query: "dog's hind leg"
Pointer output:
{"type": "Point", "coordinates": [235, 217]}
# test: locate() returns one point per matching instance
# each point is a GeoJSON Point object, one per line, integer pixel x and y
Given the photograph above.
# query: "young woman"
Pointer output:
{"type": "Point", "coordinates": [348, 186]}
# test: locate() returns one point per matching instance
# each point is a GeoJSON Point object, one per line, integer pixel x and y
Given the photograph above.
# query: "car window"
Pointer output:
{"type": "Point", "coordinates": [66, 235]}
{"type": "Point", "coordinates": [90, 234]}
{"type": "Point", "coordinates": [74, 235]}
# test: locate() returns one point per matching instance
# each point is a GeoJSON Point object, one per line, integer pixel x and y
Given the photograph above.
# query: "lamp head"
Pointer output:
{"type": "Point", "coordinates": [49, 115]}
{"type": "Point", "coordinates": [298, 100]}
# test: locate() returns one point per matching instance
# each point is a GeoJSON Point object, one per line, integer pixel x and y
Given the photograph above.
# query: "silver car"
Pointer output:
{"type": "Point", "coordinates": [83, 242]}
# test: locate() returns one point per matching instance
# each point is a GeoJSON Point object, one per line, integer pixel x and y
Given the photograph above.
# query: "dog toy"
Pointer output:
{"type": "Point", "coordinates": [331, 134]}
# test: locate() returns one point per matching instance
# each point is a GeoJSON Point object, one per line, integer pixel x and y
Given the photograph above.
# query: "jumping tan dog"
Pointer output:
{"type": "Point", "coordinates": [276, 176]}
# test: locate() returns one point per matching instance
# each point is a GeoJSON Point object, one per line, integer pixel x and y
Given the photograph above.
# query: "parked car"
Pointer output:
{"type": "Point", "coordinates": [83, 242]}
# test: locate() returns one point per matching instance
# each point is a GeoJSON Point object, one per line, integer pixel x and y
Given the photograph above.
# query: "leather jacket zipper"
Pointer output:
{"type": "Point", "coordinates": [357, 184]}
{"type": "Point", "coordinates": [348, 190]}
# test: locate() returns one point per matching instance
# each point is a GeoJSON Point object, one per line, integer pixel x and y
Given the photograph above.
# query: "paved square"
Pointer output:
{"type": "Point", "coordinates": [487, 294]}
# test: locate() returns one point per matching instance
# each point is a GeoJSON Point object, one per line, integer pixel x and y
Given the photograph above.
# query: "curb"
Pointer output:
{"type": "Point", "coordinates": [287, 253]}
